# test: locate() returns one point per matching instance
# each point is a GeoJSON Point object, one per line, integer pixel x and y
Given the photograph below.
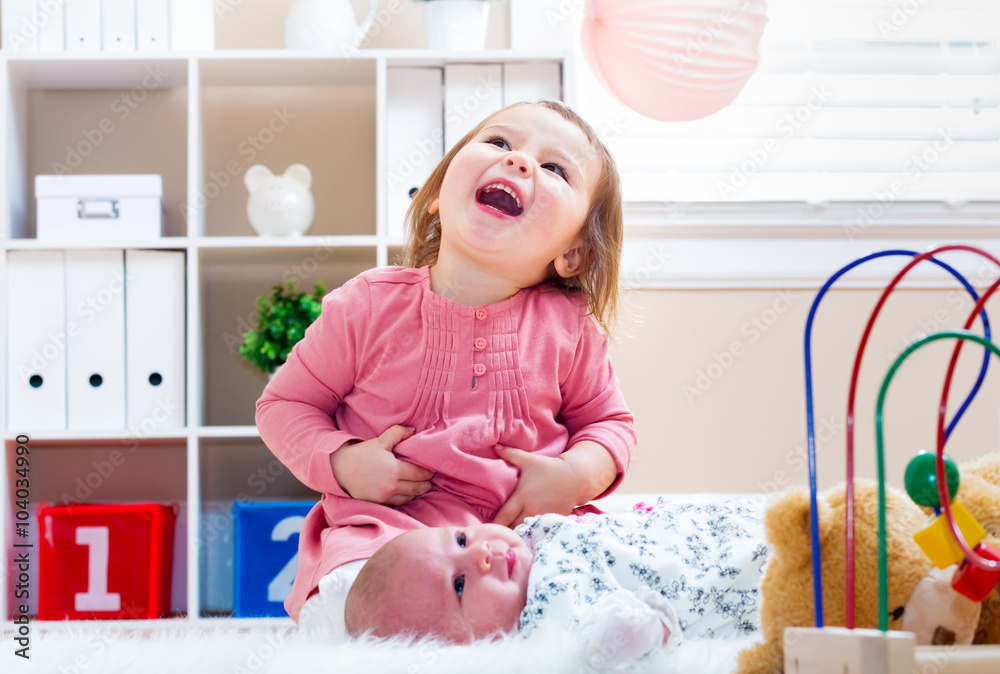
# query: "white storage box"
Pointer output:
{"type": "Point", "coordinates": [89, 207]}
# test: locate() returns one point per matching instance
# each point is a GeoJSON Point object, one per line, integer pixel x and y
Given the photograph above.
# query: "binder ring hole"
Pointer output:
{"type": "Point", "coordinates": [96, 380]}
{"type": "Point", "coordinates": [413, 192]}
{"type": "Point", "coordinates": [35, 380]}
{"type": "Point", "coordinates": [155, 379]}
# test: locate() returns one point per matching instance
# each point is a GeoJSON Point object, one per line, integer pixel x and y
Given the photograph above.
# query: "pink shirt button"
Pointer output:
{"type": "Point", "coordinates": [481, 314]}
{"type": "Point", "coordinates": [480, 343]}
{"type": "Point", "coordinates": [479, 369]}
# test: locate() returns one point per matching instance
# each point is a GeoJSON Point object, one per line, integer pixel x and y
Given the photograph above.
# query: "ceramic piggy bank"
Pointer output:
{"type": "Point", "coordinates": [279, 205]}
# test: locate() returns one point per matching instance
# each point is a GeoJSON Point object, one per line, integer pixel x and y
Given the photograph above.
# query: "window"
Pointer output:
{"type": "Point", "coordinates": [868, 101]}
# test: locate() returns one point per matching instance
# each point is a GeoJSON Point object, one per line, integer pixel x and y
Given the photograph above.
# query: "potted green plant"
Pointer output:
{"type": "Point", "coordinates": [283, 317]}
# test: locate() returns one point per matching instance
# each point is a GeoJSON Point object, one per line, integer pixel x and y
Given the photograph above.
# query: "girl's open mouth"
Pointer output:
{"type": "Point", "coordinates": [501, 198]}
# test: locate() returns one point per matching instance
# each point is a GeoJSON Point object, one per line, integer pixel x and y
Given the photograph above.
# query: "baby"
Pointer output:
{"type": "Point", "coordinates": [631, 581]}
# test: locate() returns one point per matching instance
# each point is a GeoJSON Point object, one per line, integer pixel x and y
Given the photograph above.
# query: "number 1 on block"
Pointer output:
{"type": "Point", "coordinates": [97, 597]}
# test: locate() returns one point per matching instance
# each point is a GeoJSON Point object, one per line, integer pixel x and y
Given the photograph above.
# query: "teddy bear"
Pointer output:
{"type": "Point", "coordinates": [920, 595]}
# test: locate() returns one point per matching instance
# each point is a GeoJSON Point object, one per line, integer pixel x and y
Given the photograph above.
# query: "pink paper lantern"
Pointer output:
{"type": "Point", "coordinates": [673, 60]}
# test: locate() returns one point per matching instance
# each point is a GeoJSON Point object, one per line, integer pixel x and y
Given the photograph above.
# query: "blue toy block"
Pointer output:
{"type": "Point", "coordinates": [265, 555]}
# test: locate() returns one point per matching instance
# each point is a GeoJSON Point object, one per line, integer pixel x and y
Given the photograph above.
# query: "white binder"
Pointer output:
{"type": "Point", "coordinates": [36, 341]}
{"type": "Point", "coordinates": [414, 137]}
{"type": "Point", "coordinates": [154, 340]}
{"type": "Point", "coordinates": [83, 25]}
{"type": "Point", "coordinates": [152, 25]}
{"type": "Point", "coordinates": [95, 352]}
{"type": "Point", "coordinates": [471, 93]}
{"type": "Point", "coordinates": [531, 81]}
{"type": "Point", "coordinates": [19, 22]}
{"type": "Point", "coordinates": [52, 26]}
{"type": "Point", "coordinates": [192, 25]}
{"type": "Point", "coordinates": [118, 24]}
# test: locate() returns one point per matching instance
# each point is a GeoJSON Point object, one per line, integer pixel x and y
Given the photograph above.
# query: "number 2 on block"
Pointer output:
{"type": "Point", "coordinates": [97, 597]}
{"type": "Point", "coordinates": [279, 588]}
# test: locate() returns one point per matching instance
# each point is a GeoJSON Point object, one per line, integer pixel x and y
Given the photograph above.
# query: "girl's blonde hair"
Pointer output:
{"type": "Point", "coordinates": [602, 230]}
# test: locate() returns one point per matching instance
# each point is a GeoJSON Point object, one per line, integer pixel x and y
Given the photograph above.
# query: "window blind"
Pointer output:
{"type": "Point", "coordinates": [853, 100]}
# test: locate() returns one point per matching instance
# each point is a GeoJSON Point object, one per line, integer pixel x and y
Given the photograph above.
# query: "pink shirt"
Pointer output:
{"type": "Point", "coordinates": [530, 372]}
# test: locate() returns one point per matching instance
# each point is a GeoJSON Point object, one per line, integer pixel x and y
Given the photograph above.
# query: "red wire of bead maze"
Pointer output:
{"type": "Point", "coordinates": [849, 515]}
{"type": "Point", "coordinates": [971, 555]}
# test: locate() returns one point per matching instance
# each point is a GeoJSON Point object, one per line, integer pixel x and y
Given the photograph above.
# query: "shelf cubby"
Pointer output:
{"type": "Point", "coordinates": [96, 116]}
{"type": "Point", "coordinates": [234, 469]}
{"type": "Point", "coordinates": [100, 469]}
{"type": "Point", "coordinates": [279, 112]}
{"type": "Point", "coordinates": [231, 280]}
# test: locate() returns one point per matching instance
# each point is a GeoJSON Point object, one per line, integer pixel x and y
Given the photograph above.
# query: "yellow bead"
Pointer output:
{"type": "Point", "coordinates": [937, 542]}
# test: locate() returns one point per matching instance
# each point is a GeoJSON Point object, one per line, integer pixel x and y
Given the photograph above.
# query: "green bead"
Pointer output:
{"type": "Point", "coordinates": [921, 479]}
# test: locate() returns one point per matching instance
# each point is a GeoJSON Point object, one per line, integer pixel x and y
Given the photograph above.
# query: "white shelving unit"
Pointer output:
{"type": "Point", "coordinates": [194, 117]}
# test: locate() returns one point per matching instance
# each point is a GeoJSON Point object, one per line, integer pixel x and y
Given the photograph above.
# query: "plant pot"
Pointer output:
{"type": "Point", "coordinates": [456, 24]}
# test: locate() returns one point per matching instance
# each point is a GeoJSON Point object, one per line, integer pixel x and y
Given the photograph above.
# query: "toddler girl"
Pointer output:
{"type": "Point", "coordinates": [472, 385]}
{"type": "Point", "coordinates": [626, 583]}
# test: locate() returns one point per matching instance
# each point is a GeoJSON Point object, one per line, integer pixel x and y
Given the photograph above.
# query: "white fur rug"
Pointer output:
{"type": "Point", "coordinates": [109, 649]}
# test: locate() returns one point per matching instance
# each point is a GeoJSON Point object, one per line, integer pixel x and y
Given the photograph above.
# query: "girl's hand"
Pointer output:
{"type": "Point", "coordinates": [545, 485]}
{"type": "Point", "coordinates": [369, 471]}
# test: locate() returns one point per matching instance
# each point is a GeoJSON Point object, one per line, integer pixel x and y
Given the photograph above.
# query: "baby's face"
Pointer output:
{"type": "Point", "coordinates": [472, 581]}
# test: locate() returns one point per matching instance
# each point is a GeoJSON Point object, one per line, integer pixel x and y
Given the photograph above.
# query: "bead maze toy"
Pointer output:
{"type": "Point", "coordinates": [930, 480]}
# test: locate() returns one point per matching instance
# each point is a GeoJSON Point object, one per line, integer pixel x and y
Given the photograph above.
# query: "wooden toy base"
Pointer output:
{"type": "Point", "coordinates": [837, 650]}
{"type": "Point", "coordinates": [957, 659]}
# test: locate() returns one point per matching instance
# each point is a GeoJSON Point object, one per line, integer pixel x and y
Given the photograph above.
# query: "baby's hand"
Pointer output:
{"type": "Point", "coordinates": [545, 485]}
{"type": "Point", "coordinates": [369, 471]}
{"type": "Point", "coordinates": [622, 627]}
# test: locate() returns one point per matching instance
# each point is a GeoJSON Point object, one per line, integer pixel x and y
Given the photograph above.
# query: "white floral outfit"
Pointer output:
{"type": "Point", "coordinates": [617, 579]}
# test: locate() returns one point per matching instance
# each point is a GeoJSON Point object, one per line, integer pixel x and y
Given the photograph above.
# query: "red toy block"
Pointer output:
{"type": "Point", "coordinates": [105, 561]}
{"type": "Point", "coordinates": [973, 582]}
